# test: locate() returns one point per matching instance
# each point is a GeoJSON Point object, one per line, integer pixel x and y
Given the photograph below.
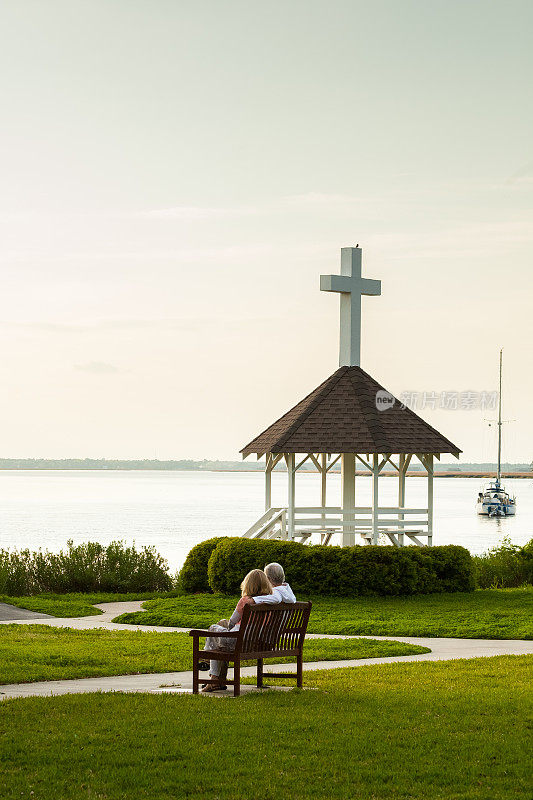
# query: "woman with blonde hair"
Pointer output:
{"type": "Point", "coordinates": [255, 584]}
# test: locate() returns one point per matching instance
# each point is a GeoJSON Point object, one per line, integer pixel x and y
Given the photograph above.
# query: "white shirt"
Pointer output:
{"type": "Point", "coordinates": [280, 594]}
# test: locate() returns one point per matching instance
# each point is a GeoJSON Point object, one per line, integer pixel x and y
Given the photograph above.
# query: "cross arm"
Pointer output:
{"type": "Point", "coordinates": [335, 283]}
{"type": "Point", "coordinates": [370, 286]}
{"type": "Point", "coordinates": [344, 283]}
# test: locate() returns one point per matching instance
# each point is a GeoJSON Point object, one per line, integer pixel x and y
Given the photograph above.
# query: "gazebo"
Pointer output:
{"type": "Point", "coordinates": [349, 418]}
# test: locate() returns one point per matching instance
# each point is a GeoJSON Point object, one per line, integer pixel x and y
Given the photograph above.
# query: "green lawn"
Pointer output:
{"type": "Point", "coordinates": [484, 614]}
{"type": "Point", "coordinates": [455, 730]}
{"type": "Point", "coordinates": [72, 605]}
{"type": "Point", "coordinates": [42, 653]}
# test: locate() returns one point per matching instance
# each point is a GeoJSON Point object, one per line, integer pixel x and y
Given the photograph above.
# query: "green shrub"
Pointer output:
{"type": "Point", "coordinates": [345, 571]}
{"type": "Point", "coordinates": [193, 574]}
{"type": "Point", "coordinates": [89, 567]}
{"type": "Point", "coordinates": [505, 567]}
{"type": "Point", "coordinates": [15, 572]}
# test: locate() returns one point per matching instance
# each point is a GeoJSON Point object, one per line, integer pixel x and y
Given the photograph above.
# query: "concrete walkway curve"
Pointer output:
{"type": "Point", "coordinates": [442, 649]}
{"type": "Point", "coordinates": [104, 620]}
{"type": "Point", "coordinates": [9, 613]}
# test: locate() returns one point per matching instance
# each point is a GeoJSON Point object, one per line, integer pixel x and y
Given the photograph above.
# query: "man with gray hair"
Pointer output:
{"type": "Point", "coordinates": [281, 591]}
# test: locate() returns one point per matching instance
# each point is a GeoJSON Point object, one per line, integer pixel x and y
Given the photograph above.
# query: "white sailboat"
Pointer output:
{"type": "Point", "coordinates": [494, 501]}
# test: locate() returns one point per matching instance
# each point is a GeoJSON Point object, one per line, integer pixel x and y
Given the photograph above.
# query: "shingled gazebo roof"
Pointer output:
{"type": "Point", "coordinates": [340, 416]}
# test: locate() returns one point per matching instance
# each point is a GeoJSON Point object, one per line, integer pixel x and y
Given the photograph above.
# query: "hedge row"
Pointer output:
{"type": "Point", "coordinates": [193, 575]}
{"type": "Point", "coordinates": [88, 567]}
{"type": "Point", "coordinates": [341, 571]}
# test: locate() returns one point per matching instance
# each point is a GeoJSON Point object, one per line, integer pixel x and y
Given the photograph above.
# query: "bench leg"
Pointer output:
{"type": "Point", "coordinates": [259, 673]}
{"type": "Point", "coordinates": [299, 671]}
{"type": "Point", "coordinates": [236, 678]}
{"type": "Point", "coordinates": [195, 666]}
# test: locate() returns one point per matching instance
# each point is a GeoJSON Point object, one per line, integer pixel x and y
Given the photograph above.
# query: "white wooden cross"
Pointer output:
{"type": "Point", "coordinates": [351, 286]}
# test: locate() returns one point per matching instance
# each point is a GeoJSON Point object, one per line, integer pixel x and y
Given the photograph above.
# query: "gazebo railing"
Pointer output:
{"type": "Point", "coordinates": [360, 515]}
{"type": "Point", "coordinates": [395, 522]}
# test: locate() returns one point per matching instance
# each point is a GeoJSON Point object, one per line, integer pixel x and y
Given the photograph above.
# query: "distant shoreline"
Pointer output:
{"type": "Point", "coordinates": [484, 475]}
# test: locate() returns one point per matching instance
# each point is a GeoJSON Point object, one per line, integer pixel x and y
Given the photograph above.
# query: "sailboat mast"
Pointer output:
{"type": "Point", "coordinates": [500, 421]}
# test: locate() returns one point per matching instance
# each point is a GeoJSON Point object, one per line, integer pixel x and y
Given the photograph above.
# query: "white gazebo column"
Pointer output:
{"type": "Point", "coordinates": [268, 482]}
{"type": "Point", "coordinates": [291, 471]}
{"type": "Point", "coordinates": [348, 497]}
{"type": "Point", "coordinates": [401, 494]}
{"type": "Point", "coordinates": [375, 498]}
{"type": "Point", "coordinates": [323, 485]}
{"type": "Point", "coordinates": [429, 468]}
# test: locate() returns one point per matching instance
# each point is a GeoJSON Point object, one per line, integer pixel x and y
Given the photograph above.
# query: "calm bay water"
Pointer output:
{"type": "Point", "coordinates": [175, 510]}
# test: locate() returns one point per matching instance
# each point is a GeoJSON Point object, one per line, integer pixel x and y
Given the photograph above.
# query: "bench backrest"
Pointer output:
{"type": "Point", "coordinates": [273, 628]}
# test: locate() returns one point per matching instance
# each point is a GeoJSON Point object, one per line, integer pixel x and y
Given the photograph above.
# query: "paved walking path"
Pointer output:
{"type": "Point", "coordinates": [10, 613]}
{"type": "Point", "coordinates": [110, 610]}
{"type": "Point", "coordinates": [442, 649]}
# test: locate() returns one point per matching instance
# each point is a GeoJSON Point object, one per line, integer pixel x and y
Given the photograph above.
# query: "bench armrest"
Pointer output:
{"type": "Point", "coordinates": [223, 634]}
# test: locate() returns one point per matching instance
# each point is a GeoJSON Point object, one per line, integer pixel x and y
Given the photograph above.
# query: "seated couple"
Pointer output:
{"type": "Point", "coordinates": [269, 586]}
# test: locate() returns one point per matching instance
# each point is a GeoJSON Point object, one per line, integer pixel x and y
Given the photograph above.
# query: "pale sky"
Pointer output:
{"type": "Point", "coordinates": [175, 176]}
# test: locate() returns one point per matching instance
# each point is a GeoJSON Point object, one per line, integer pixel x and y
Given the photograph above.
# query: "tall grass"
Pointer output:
{"type": "Point", "coordinates": [88, 567]}
{"type": "Point", "coordinates": [505, 567]}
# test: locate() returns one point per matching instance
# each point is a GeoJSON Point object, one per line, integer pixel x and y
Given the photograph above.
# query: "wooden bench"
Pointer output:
{"type": "Point", "coordinates": [266, 631]}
